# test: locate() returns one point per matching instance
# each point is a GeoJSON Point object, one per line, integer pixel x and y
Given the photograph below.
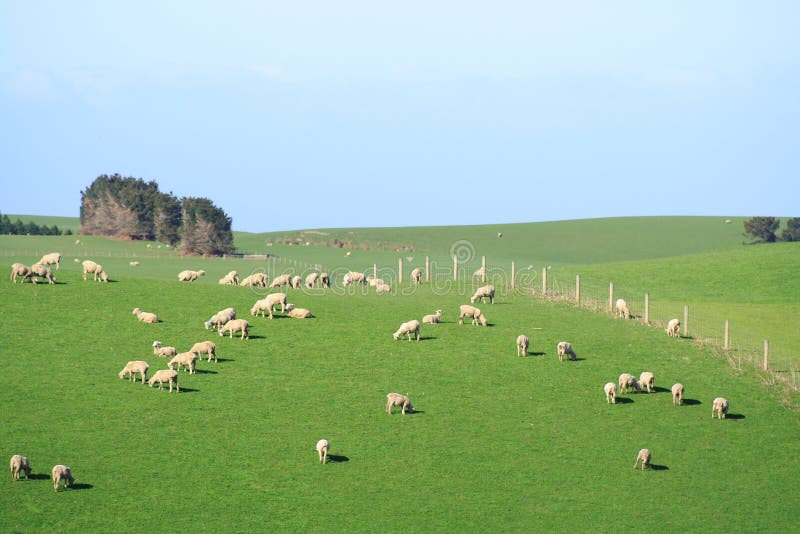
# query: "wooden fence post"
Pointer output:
{"type": "Point", "coordinates": [766, 355]}
{"type": "Point", "coordinates": [685, 321]}
{"type": "Point", "coordinates": [726, 343]}
{"type": "Point", "coordinates": [427, 268]}
{"type": "Point", "coordinates": [483, 269]}
{"type": "Point", "coordinates": [399, 271]}
{"type": "Point", "coordinates": [374, 270]}
{"type": "Point", "coordinates": [455, 267]}
{"type": "Point", "coordinates": [611, 297]}
{"type": "Point", "coordinates": [513, 276]}
{"type": "Point", "coordinates": [544, 282]}
{"type": "Point", "coordinates": [578, 290]}
{"type": "Point", "coordinates": [647, 308]}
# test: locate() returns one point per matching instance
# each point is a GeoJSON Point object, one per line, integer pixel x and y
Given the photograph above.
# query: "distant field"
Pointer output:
{"type": "Point", "coordinates": [64, 223]}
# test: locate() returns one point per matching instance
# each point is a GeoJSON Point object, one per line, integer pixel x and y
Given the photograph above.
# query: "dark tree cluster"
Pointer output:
{"type": "Point", "coordinates": [764, 229]}
{"type": "Point", "coordinates": [29, 228]}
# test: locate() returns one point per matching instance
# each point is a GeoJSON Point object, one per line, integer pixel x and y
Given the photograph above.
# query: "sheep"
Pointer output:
{"type": "Point", "coordinates": [190, 276]}
{"type": "Point", "coordinates": [230, 279]}
{"type": "Point", "coordinates": [325, 280]}
{"type": "Point", "coordinates": [322, 450]}
{"type": "Point", "coordinates": [43, 271]}
{"type": "Point", "coordinates": [677, 394]}
{"type": "Point", "coordinates": [373, 282]}
{"type": "Point", "coordinates": [411, 327]}
{"type": "Point", "coordinates": [20, 463]}
{"type": "Point", "coordinates": [134, 367]}
{"type": "Point", "coordinates": [720, 408]}
{"type": "Point", "coordinates": [611, 392]}
{"type": "Point", "coordinates": [54, 258]}
{"type": "Point", "coordinates": [268, 304]}
{"type": "Point", "coordinates": [416, 275]}
{"type": "Point", "coordinates": [353, 278]}
{"type": "Point", "coordinates": [646, 379]}
{"type": "Point", "coordinates": [255, 280]}
{"type": "Point", "coordinates": [483, 293]}
{"type": "Point", "coordinates": [622, 309]}
{"type": "Point", "coordinates": [299, 313]}
{"type": "Point", "coordinates": [312, 279]}
{"type": "Point", "coordinates": [237, 325]}
{"type": "Point", "coordinates": [644, 457]}
{"type": "Point", "coordinates": [95, 269]}
{"type": "Point", "coordinates": [158, 350]}
{"type": "Point", "coordinates": [383, 288]}
{"type": "Point", "coordinates": [281, 280]}
{"type": "Point", "coordinates": [165, 375]}
{"type": "Point", "coordinates": [673, 328]}
{"type": "Point", "coordinates": [396, 399]}
{"type": "Point", "coordinates": [628, 381]}
{"type": "Point", "coordinates": [145, 317]}
{"type": "Point", "coordinates": [465, 310]}
{"type": "Point", "coordinates": [220, 318]}
{"type": "Point", "coordinates": [565, 348]}
{"type": "Point", "coordinates": [205, 347]}
{"type": "Point", "coordinates": [523, 342]}
{"type": "Point", "coordinates": [433, 319]}
{"type": "Point", "coordinates": [481, 272]}
{"type": "Point", "coordinates": [133, 263]}
{"type": "Point", "coordinates": [188, 359]}
{"type": "Point", "coordinates": [22, 270]}
{"type": "Point", "coordinates": [62, 472]}
{"type": "Point", "coordinates": [296, 282]}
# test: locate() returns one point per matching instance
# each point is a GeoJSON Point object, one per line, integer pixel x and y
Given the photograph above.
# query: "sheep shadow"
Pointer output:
{"type": "Point", "coordinates": [624, 400]}
{"type": "Point", "coordinates": [655, 467]}
{"type": "Point", "coordinates": [204, 372]}
{"type": "Point", "coordinates": [220, 360]}
{"type": "Point", "coordinates": [657, 389]}
{"type": "Point", "coordinates": [691, 402]}
{"type": "Point", "coordinates": [735, 416]}
{"type": "Point", "coordinates": [337, 458]}
{"type": "Point", "coordinates": [531, 353]}
{"type": "Point", "coordinates": [39, 476]}
{"type": "Point", "coordinates": [80, 486]}
{"type": "Point", "coordinates": [186, 390]}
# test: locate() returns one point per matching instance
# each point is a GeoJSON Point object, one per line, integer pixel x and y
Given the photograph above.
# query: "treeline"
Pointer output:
{"type": "Point", "coordinates": [765, 229]}
{"type": "Point", "coordinates": [130, 208]}
{"type": "Point", "coordinates": [28, 228]}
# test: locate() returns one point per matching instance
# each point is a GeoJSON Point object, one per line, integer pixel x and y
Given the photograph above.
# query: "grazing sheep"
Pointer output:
{"type": "Point", "coordinates": [134, 367]}
{"type": "Point", "coordinates": [230, 279]}
{"type": "Point", "coordinates": [481, 272]}
{"type": "Point", "coordinates": [20, 463]}
{"type": "Point", "coordinates": [611, 392]}
{"type": "Point", "coordinates": [158, 350]}
{"type": "Point", "coordinates": [433, 319]}
{"type": "Point", "coordinates": [644, 457]}
{"type": "Point", "coordinates": [298, 313]}
{"type": "Point", "coordinates": [396, 399]}
{"type": "Point", "coordinates": [565, 348]}
{"type": "Point", "coordinates": [133, 263]}
{"type": "Point", "coordinates": [720, 408]}
{"type": "Point", "coordinates": [190, 276]}
{"type": "Point", "coordinates": [95, 269]}
{"type": "Point", "coordinates": [374, 281]}
{"type": "Point", "coordinates": [523, 342]}
{"type": "Point", "coordinates": [295, 282]}
{"type": "Point", "coordinates": [673, 328]}
{"type": "Point", "coordinates": [628, 381]}
{"type": "Point", "coordinates": [145, 317]}
{"type": "Point", "coordinates": [485, 292]}
{"type": "Point", "coordinates": [62, 472]}
{"type": "Point", "coordinates": [54, 258]}
{"type": "Point", "coordinates": [411, 327]}
{"type": "Point", "coordinates": [677, 394]}
{"type": "Point", "coordinates": [22, 270]}
{"type": "Point", "coordinates": [187, 359]}
{"type": "Point", "coordinates": [312, 279]}
{"type": "Point", "coordinates": [255, 280]}
{"type": "Point", "coordinates": [281, 280]}
{"type": "Point", "coordinates": [322, 450]}
{"type": "Point", "coordinates": [42, 271]}
{"type": "Point", "coordinates": [268, 304]}
{"type": "Point", "coordinates": [205, 347]}
{"type": "Point", "coordinates": [165, 375]}
{"type": "Point", "coordinates": [416, 275]}
{"type": "Point", "coordinates": [220, 318]}
{"type": "Point", "coordinates": [646, 380]}
{"type": "Point", "coordinates": [237, 325]}
{"type": "Point", "coordinates": [325, 280]}
{"type": "Point", "coordinates": [465, 310]}
{"type": "Point", "coordinates": [622, 309]}
{"type": "Point", "coordinates": [354, 278]}
{"type": "Point", "coordinates": [383, 288]}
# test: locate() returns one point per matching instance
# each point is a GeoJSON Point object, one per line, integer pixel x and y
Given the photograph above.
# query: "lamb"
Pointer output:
{"type": "Point", "coordinates": [322, 450]}
{"type": "Point", "coordinates": [465, 310]}
{"type": "Point", "coordinates": [133, 263]}
{"type": "Point", "coordinates": [298, 313]}
{"type": "Point", "coordinates": [354, 278]}
{"type": "Point", "coordinates": [255, 280]}
{"type": "Point", "coordinates": [20, 463]}
{"type": "Point", "coordinates": [281, 280]}
{"type": "Point", "coordinates": [622, 309]}
{"type": "Point", "coordinates": [134, 367]}
{"type": "Point", "coordinates": [483, 293]}
{"type": "Point", "coordinates": [190, 276]}
{"type": "Point", "coordinates": [22, 270]}
{"type": "Point", "coordinates": [237, 325]}
{"type": "Point", "coordinates": [220, 318]}
{"type": "Point", "coordinates": [720, 408]}
{"type": "Point", "coordinates": [325, 280]}
{"type": "Point", "coordinates": [416, 275]}
{"type": "Point", "coordinates": [644, 457]}
{"type": "Point", "coordinates": [62, 472]}
{"type": "Point", "coordinates": [564, 348]}
{"type": "Point", "coordinates": [230, 279]}
{"type": "Point", "coordinates": [411, 327]}
{"type": "Point", "coordinates": [646, 379]}
{"type": "Point", "coordinates": [312, 279]}
{"type": "Point", "coordinates": [296, 282]}
{"type": "Point", "coordinates": [42, 271]}
{"type": "Point", "coordinates": [54, 258]}
{"type": "Point", "coordinates": [165, 375]}
{"type": "Point", "coordinates": [611, 392]}
{"type": "Point", "coordinates": [145, 317]}
{"type": "Point", "coordinates": [673, 328]}
{"type": "Point", "coordinates": [205, 347]}
{"type": "Point", "coordinates": [158, 350]}
{"type": "Point", "coordinates": [188, 359]}
{"type": "Point", "coordinates": [396, 399]}
{"type": "Point", "coordinates": [628, 381]}
{"type": "Point", "coordinates": [433, 319]}
{"type": "Point", "coordinates": [268, 304]}
{"type": "Point", "coordinates": [95, 269]}
{"type": "Point", "coordinates": [523, 342]}
{"type": "Point", "coordinates": [383, 288]}
{"type": "Point", "coordinates": [677, 394]}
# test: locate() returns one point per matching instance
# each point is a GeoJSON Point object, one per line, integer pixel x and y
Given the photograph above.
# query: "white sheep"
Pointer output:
{"type": "Point", "coordinates": [354, 278]}
{"type": "Point", "coordinates": [646, 380]}
{"type": "Point", "coordinates": [628, 381]}
{"type": "Point", "coordinates": [296, 282]}
{"type": "Point", "coordinates": [564, 348]}
{"type": "Point", "coordinates": [374, 281]}
{"type": "Point", "coordinates": [677, 394]}
{"type": "Point", "coordinates": [483, 293]}
{"type": "Point", "coordinates": [220, 318]}
{"type": "Point", "coordinates": [21, 270]}
{"type": "Point", "coordinates": [133, 263]}
{"type": "Point", "coordinates": [268, 304]}
{"type": "Point", "coordinates": [481, 272]}
{"type": "Point", "coordinates": [322, 450]}
{"type": "Point", "coordinates": [237, 325]}
{"type": "Point", "coordinates": [54, 258]}
{"type": "Point", "coordinates": [622, 309]}
{"type": "Point", "coordinates": [187, 359]}
{"type": "Point", "coordinates": [396, 399]}
{"type": "Point", "coordinates": [325, 280]}
{"type": "Point", "coordinates": [465, 310]}
{"type": "Point", "coordinates": [523, 342]}
{"type": "Point", "coordinates": [416, 275]}
{"type": "Point", "coordinates": [230, 279]}
{"type": "Point", "coordinates": [281, 280]}
{"type": "Point", "coordinates": [42, 271]}
{"type": "Point", "coordinates": [673, 328]}
{"type": "Point", "coordinates": [145, 317]}
{"type": "Point", "coordinates": [205, 347]}
{"type": "Point", "coordinates": [298, 313]}
{"type": "Point", "coordinates": [95, 269]}
{"type": "Point", "coordinates": [20, 463]}
{"type": "Point", "coordinates": [62, 472]}
{"type": "Point", "coordinates": [383, 288]}
{"type": "Point", "coordinates": [644, 457]}
{"type": "Point", "coordinates": [190, 276]}
{"type": "Point", "coordinates": [165, 375]}
{"type": "Point", "coordinates": [610, 390]}
{"type": "Point", "coordinates": [720, 408]}
{"type": "Point", "coordinates": [255, 280]}
{"type": "Point", "coordinates": [158, 350]}
{"type": "Point", "coordinates": [312, 279]}
{"type": "Point", "coordinates": [408, 328]}
{"type": "Point", "coordinates": [434, 318]}
{"type": "Point", "coordinates": [133, 367]}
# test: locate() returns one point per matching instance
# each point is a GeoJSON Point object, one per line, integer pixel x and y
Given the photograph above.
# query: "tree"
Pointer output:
{"type": "Point", "coordinates": [792, 230]}
{"type": "Point", "coordinates": [762, 229]}
{"type": "Point", "coordinates": [206, 229]}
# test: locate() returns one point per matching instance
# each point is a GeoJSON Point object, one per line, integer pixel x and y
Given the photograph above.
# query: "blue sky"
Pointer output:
{"type": "Point", "coordinates": [293, 115]}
